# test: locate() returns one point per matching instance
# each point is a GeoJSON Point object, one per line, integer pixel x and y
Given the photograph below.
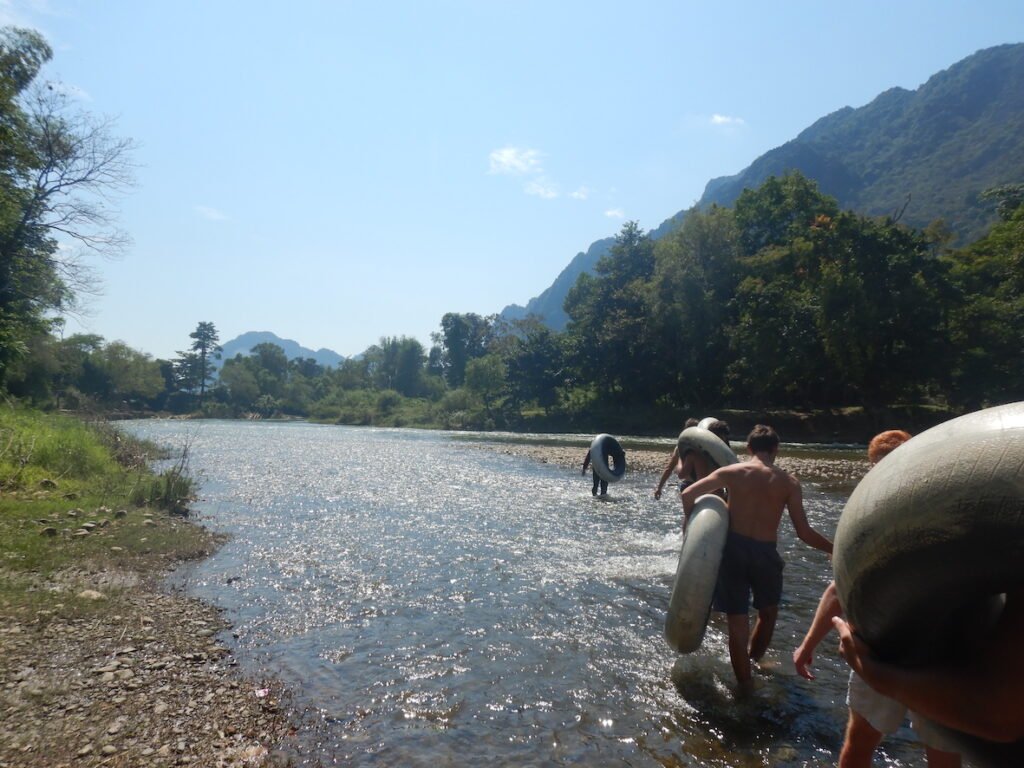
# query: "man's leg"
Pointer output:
{"type": "Point", "coordinates": [739, 635]}
{"type": "Point", "coordinates": [593, 490]}
{"type": "Point", "coordinates": [604, 487]}
{"type": "Point", "coordinates": [764, 626]}
{"type": "Point", "coordinates": [859, 743]}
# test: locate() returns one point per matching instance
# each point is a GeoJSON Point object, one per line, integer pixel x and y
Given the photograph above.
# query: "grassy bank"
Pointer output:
{"type": "Point", "coordinates": [99, 664]}
{"type": "Point", "coordinates": [74, 496]}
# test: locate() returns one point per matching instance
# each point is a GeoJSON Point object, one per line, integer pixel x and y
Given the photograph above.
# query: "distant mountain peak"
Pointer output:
{"type": "Point", "coordinates": [244, 343]}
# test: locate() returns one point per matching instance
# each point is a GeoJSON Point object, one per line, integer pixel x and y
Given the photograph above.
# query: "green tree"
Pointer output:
{"type": "Point", "coordinates": [780, 210]}
{"type": "Point", "coordinates": [987, 364]}
{"type": "Point", "coordinates": [205, 349]}
{"type": "Point", "coordinates": [487, 377]}
{"type": "Point", "coordinates": [608, 313]}
{"type": "Point", "coordinates": [240, 381]}
{"type": "Point", "coordinates": [58, 170]}
{"type": "Point", "coordinates": [879, 316]}
{"type": "Point", "coordinates": [536, 364]}
{"type": "Point", "coordinates": [130, 375]}
{"type": "Point", "coordinates": [692, 301]}
{"type": "Point", "coordinates": [398, 364]}
{"type": "Point", "coordinates": [463, 337]}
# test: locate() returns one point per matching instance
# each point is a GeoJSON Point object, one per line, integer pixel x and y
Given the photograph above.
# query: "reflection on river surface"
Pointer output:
{"type": "Point", "coordinates": [430, 602]}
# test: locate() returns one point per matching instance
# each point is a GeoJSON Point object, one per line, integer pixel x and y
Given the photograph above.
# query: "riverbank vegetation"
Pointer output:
{"type": "Point", "coordinates": [780, 304]}
{"type": "Point", "coordinates": [81, 497]}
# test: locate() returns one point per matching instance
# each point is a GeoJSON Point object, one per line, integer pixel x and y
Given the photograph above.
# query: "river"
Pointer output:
{"type": "Point", "coordinates": [431, 602]}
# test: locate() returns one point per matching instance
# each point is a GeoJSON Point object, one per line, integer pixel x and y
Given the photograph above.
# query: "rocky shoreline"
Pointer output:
{"type": "Point", "coordinates": [122, 671]}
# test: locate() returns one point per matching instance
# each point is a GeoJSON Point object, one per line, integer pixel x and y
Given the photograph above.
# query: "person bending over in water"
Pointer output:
{"type": "Point", "coordinates": [693, 466]}
{"type": "Point", "coordinates": [872, 715]}
{"type": "Point", "coordinates": [759, 492]}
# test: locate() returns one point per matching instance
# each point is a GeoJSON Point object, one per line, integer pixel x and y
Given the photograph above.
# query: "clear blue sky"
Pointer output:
{"type": "Point", "coordinates": [336, 172]}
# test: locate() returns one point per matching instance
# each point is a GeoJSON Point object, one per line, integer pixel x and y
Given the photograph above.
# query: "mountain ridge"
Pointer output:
{"type": "Point", "coordinates": [922, 154]}
{"type": "Point", "coordinates": [244, 343]}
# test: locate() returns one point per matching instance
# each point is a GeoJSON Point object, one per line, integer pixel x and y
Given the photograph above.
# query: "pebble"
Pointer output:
{"type": "Point", "coordinates": [94, 691]}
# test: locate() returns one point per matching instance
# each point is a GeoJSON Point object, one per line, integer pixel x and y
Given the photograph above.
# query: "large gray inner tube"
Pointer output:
{"type": "Point", "coordinates": [708, 444]}
{"type": "Point", "coordinates": [694, 585]}
{"type": "Point", "coordinates": [608, 458]}
{"type": "Point", "coordinates": [931, 537]}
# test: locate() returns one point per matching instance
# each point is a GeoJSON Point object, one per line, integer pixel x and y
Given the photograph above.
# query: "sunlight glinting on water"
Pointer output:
{"type": "Point", "coordinates": [431, 601]}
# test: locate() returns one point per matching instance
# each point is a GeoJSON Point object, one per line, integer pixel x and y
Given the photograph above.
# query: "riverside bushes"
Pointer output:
{"type": "Point", "coordinates": [79, 496]}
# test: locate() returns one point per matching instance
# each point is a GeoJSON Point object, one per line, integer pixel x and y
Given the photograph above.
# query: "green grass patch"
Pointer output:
{"type": "Point", "coordinates": [77, 500]}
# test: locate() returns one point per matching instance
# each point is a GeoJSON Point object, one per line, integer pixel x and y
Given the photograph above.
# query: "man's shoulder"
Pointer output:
{"type": "Point", "coordinates": [790, 479]}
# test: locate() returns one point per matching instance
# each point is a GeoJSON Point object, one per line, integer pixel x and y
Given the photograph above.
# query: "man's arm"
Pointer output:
{"type": "Point", "coordinates": [586, 463]}
{"type": "Point", "coordinates": [795, 506]}
{"type": "Point", "coordinates": [984, 697]}
{"type": "Point", "coordinates": [708, 484]}
{"type": "Point", "coordinates": [668, 471]}
{"type": "Point", "coordinates": [821, 625]}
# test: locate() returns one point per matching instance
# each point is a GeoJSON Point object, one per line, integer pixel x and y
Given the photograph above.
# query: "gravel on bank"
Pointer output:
{"type": "Point", "coordinates": [120, 671]}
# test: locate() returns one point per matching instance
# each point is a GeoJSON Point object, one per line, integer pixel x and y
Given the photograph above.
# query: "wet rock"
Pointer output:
{"type": "Point", "coordinates": [48, 531]}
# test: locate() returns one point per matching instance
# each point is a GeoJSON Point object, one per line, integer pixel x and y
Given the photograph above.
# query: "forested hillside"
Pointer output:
{"type": "Point", "coordinates": [783, 299]}
{"type": "Point", "coordinates": [925, 155]}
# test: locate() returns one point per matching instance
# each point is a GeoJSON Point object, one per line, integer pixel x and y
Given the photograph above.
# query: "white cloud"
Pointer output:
{"type": "Point", "coordinates": [210, 214]}
{"type": "Point", "coordinates": [717, 119]}
{"type": "Point", "coordinates": [541, 187]}
{"type": "Point", "coordinates": [516, 161]}
{"type": "Point", "coordinates": [580, 194]}
{"type": "Point", "coordinates": [615, 213]}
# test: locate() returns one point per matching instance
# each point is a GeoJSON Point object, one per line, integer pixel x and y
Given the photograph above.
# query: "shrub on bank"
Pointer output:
{"type": "Point", "coordinates": [68, 491]}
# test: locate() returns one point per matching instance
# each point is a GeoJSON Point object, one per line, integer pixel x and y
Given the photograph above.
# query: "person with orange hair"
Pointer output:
{"type": "Point", "coordinates": [871, 713]}
{"type": "Point", "coordinates": [884, 443]}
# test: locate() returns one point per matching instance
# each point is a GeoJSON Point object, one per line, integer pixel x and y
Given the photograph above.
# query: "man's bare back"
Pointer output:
{"type": "Point", "coordinates": [758, 495]}
{"type": "Point", "coordinates": [759, 492]}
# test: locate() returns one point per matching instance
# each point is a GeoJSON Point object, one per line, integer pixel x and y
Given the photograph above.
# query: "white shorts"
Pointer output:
{"type": "Point", "coordinates": [886, 715]}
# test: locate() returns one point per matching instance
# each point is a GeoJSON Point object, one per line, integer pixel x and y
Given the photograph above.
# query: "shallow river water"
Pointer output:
{"type": "Point", "coordinates": [431, 602]}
